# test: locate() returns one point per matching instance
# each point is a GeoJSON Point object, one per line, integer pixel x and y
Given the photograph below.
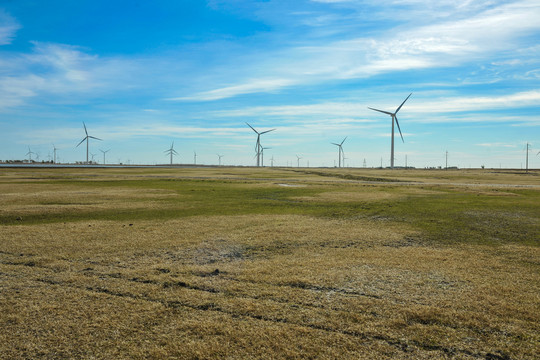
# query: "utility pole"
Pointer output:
{"type": "Point", "coordinates": [527, 158]}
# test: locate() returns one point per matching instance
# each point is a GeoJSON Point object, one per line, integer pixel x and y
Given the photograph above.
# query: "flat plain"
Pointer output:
{"type": "Point", "coordinates": [240, 263]}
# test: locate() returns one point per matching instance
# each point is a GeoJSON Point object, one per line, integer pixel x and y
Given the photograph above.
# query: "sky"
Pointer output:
{"type": "Point", "coordinates": [142, 75]}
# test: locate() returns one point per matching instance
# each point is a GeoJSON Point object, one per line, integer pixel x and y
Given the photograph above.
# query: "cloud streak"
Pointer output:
{"type": "Point", "coordinates": [449, 43]}
{"type": "Point", "coordinates": [358, 112]}
{"type": "Point", "coordinates": [8, 28]}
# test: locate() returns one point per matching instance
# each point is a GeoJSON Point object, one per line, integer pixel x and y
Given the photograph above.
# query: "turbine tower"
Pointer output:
{"type": "Point", "coordinates": [171, 152]}
{"type": "Point", "coordinates": [194, 158]}
{"type": "Point", "coordinates": [258, 143]}
{"type": "Point", "coordinates": [87, 139]}
{"type": "Point", "coordinates": [340, 152]}
{"type": "Point", "coordinates": [104, 152]}
{"type": "Point", "coordinates": [394, 117]}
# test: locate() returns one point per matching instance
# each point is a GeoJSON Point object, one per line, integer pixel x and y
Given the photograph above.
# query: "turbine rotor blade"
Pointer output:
{"type": "Point", "coordinates": [93, 137]}
{"type": "Point", "coordinates": [343, 141]}
{"type": "Point", "coordinates": [335, 144]}
{"type": "Point", "coordinates": [403, 103]}
{"type": "Point", "coordinates": [397, 122]}
{"type": "Point", "coordinates": [267, 131]}
{"type": "Point", "coordinates": [252, 128]}
{"type": "Point", "coordinates": [85, 128]}
{"type": "Point", "coordinates": [384, 112]}
{"type": "Point", "coordinates": [81, 141]}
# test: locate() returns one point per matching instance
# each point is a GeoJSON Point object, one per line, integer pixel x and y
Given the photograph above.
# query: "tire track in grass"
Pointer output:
{"type": "Point", "coordinates": [402, 345]}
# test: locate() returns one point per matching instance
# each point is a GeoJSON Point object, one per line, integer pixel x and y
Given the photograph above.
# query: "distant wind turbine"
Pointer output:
{"type": "Point", "coordinates": [104, 152]}
{"type": "Point", "coordinates": [340, 152]}
{"type": "Point", "coordinates": [171, 152]}
{"type": "Point", "coordinates": [258, 143]}
{"type": "Point", "coordinates": [30, 153]}
{"type": "Point", "coordinates": [87, 139]}
{"type": "Point", "coordinates": [194, 158]}
{"type": "Point", "coordinates": [262, 154]}
{"type": "Point", "coordinates": [220, 156]}
{"type": "Point", "coordinates": [394, 117]}
{"type": "Point", "coordinates": [54, 152]}
{"type": "Point", "coordinates": [298, 161]}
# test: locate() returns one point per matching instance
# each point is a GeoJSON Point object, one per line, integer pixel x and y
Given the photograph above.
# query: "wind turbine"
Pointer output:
{"type": "Point", "coordinates": [104, 152]}
{"type": "Point", "coordinates": [262, 154]}
{"type": "Point", "coordinates": [272, 161]}
{"type": "Point", "coordinates": [29, 153]}
{"type": "Point", "coordinates": [54, 151]}
{"type": "Point", "coordinates": [340, 152]}
{"type": "Point", "coordinates": [258, 143]}
{"type": "Point", "coordinates": [87, 139]}
{"type": "Point", "coordinates": [394, 117]}
{"type": "Point", "coordinates": [220, 156]}
{"type": "Point", "coordinates": [171, 151]}
{"type": "Point", "coordinates": [93, 156]}
{"type": "Point", "coordinates": [298, 161]}
{"type": "Point", "coordinates": [194, 158]}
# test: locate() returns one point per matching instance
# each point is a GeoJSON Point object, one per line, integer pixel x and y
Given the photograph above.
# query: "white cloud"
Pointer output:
{"type": "Point", "coordinates": [8, 28]}
{"type": "Point", "coordinates": [496, 145]}
{"type": "Point", "coordinates": [357, 113]}
{"type": "Point", "coordinates": [406, 47]}
{"type": "Point", "coordinates": [253, 85]}
{"type": "Point", "coordinates": [477, 103]}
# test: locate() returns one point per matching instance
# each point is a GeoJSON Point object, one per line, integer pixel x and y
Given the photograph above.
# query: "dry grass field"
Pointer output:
{"type": "Point", "coordinates": [245, 263]}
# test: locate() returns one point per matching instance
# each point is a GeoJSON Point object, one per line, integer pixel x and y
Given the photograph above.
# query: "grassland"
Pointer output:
{"type": "Point", "coordinates": [269, 263]}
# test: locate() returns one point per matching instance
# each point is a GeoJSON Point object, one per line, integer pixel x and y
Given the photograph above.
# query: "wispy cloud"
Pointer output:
{"type": "Point", "coordinates": [253, 85]}
{"type": "Point", "coordinates": [478, 103]}
{"type": "Point", "coordinates": [449, 43]}
{"type": "Point", "coordinates": [8, 28]}
{"type": "Point", "coordinates": [358, 112]}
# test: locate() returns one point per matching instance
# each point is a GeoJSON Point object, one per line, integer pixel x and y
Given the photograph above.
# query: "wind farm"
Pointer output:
{"type": "Point", "coordinates": [203, 213]}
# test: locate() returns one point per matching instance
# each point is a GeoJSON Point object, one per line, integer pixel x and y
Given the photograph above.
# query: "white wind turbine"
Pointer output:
{"type": "Point", "coordinates": [104, 152]}
{"type": "Point", "coordinates": [262, 154]}
{"type": "Point", "coordinates": [219, 158]}
{"type": "Point", "coordinates": [87, 139]}
{"type": "Point", "coordinates": [298, 161]}
{"type": "Point", "coordinates": [171, 152]}
{"type": "Point", "coordinates": [341, 155]}
{"type": "Point", "coordinates": [394, 117]}
{"type": "Point", "coordinates": [30, 153]}
{"type": "Point", "coordinates": [258, 143]}
{"type": "Point", "coordinates": [54, 152]}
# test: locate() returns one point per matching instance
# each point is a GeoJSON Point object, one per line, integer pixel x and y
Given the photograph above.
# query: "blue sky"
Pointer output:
{"type": "Point", "coordinates": [143, 74]}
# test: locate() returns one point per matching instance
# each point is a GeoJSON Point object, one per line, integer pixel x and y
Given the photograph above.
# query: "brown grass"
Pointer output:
{"type": "Point", "coordinates": [256, 286]}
